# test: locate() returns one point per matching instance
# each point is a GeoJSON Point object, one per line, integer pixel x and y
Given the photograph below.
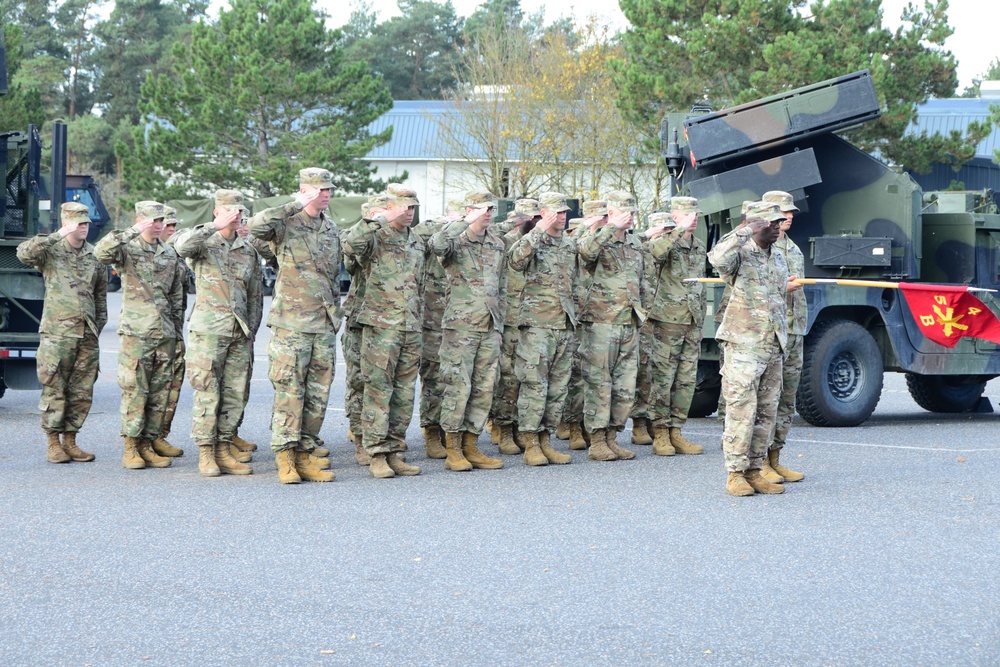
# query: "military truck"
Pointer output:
{"type": "Point", "coordinates": [860, 219]}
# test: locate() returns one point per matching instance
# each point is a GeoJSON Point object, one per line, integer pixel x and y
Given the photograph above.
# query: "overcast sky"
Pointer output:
{"type": "Point", "coordinates": [974, 42]}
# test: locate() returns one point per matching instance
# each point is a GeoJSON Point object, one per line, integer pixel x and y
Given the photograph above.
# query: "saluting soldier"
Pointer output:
{"type": "Point", "coordinates": [74, 313]}
{"type": "Point", "coordinates": [151, 320]}
{"type": "Point", "coordinates": [304, 320]}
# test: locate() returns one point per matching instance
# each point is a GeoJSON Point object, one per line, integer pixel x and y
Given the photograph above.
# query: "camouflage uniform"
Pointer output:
{"type": "Point", "coordinates": [151, 321]}
{"type": "Point", "coordinates": [472, 323]}
{"type": "Point", "coordinates": [390, 314]}
{"type": "Point", "coordinates": [574, 406]}
{"type": "Point", "coordinates": [304, 317]}
{"type": "Point", "coordinates": [754, 333]}
{"type": "Point", "coordinates": [434, 293]}
{"type": "Point", "coordinates": [75, 311]}
{"type": "Point", "coordinates": [180, 350]}
{"type": "Point", "coordinates": [504, 409]}
{"type": "Point", "coordinates": [720, 312]}
{"type": "Point", "coordinates": [228, 276]}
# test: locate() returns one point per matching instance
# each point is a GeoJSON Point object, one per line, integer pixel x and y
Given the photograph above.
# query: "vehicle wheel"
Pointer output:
{"type": "Point", "coordinates": [946, 393]}
{"type": "Point", "coordinates": [707, 388]}
{"type": "Point", "coordinates": [114, 283]}
{"type": "Point", "coordinates": [841, 380]}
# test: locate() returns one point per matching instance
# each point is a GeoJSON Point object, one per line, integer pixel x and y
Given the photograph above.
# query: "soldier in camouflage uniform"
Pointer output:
{"type": "Point", "coordinates": [720, 311]}
{"type": "Point", "coordinates": [754, 332]}
{"type": "Point", "coordinates": [304, 320]}
{"type": "Point", "coordinates": [75, 311]}
{"type": "Point", "coordinates": [678, 312]}
{"type": "Point", "coordinates": [475, 261]}
{"type": "Point", "coordinates": [641, 426]}
{"type": "Point", "coordinates": [791, 369]}
{"type": "Point", "coordinates": [160, 444]}
{"type": "Point", "coordinates": [611, 314]}
{"type": "Point", "coordinates": [390, 314]}
{"type": "Point", "coordinates": [151, 321]}
{"type": "Point", "coordinates": [504, 409]}
{"type": "Point", "coordinates": [547, 319]}
{"type": "Point", "coordinates": [227, 274]}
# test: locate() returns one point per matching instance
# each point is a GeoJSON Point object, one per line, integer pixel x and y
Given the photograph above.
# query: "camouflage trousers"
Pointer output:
{"type": "Point", "coordinates": [721, 409]}
{"type": "Point", "coordinates": [350, 342]}
{"type": "Point", "coordinates": [218, 368]}
{"type": "Point", "coordinates": [246, 394]}
{"type": "Point", "coordinates": [542, 364]}
{"type": "Point", "coordinates": [751, 382]}
{"type": "Point", "coordinates": [469, 366]}
{"type": "Point", "coordinates": [301, 372]}
{"type": "Point", "coordinates": [67, 368]}
{"type": "Point", "coordinates": [432, 386]}
{"type": "Point", "coordinates": [145, 371]}
{"type": "Point", "coordinates": [176, 382]}
{"type": "Point", "coordinates": [390, 359]}
{"type": "Point", "coordinates": [643, 378]}
{"type": "Point", "coordinates": [609, 363]}
{"type": "Point", "coordinates": [791, 372]}
{"type": "Point", "coordinates": [673, 358]}
{"type": "Point", "coordinates": [573, 408]}
{"type": "Point", "coordinates": [504, 409]}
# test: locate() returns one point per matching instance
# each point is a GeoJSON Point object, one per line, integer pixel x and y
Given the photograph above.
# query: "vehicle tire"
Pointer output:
{"type": "Point", "coordinates": [114, 282]}
{"type": "Point", "coordinates": [946, 393]}
{"type": "Point", "coordinates": [841, 380]}
{"type": "Point", "coordinates": [707, 388]}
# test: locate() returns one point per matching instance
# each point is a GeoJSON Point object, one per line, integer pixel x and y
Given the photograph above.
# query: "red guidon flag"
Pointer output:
{"type": "Point", "coordinates": [946, 313]}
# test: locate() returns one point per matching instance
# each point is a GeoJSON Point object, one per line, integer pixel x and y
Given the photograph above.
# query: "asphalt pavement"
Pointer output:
{"type": "Point", "coordinates": [886, 554]}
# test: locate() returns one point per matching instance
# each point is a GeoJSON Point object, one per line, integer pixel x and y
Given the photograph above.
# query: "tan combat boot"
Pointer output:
{"type": "Point", "coordinates": [361, 457]}
{"type": "Point", "coordinates": [494, 431]}
{"type": "Point", "coordinates": [761, 485]}
{"type": "Point", "coordinates": [456, 459]}
{"type": "Point", "coordinates": [737, 485]}
{"type": "Point", "coordinates": [552, 455]}
{"type": "Point", "coordinates": [599, 450]}
{"type": "Point", "coordinates": [164, 448]}
{"type": "Point", "coordinates": [507, 443]}
{"type": "Point", "coordinates": [227, 464]}
{"type": "Point", "coordinates": [640, 432]}
{"type": "Point", "coordinates": [75, 453]}
{"type": "Point", "coordinates": [661, 442]}
{"type": "Point", "coordinates": [310, 472]}
{"type": "Point", "coordinates": [243, 445]}
{"type": "Point", "coordinates": [131, 458]}
{"type": "Point", "coordinates": [681, 444]}
{"type": "Point", "coordinates": [321, 452]}
{"type": "Point", "coordinates": [149, 455]}
{"type": "Point", "coordinates": [285, 462]}
{"type": "Point", "coordinates": [432, 441]}
{"type": "Point", "coordinates": [533, 455]}
{"type": "Point", "coordinates": [476, 457]}
{"type": "Point", "coordinates": [239, 454]}
{"type": "Point", "coordinates": [395, 461]}
{"type": "Point", "coordinates": [786, 474]}
{"type": "Point", "coordinates": [55, 452]}
{"type": "Point", "coordinates": [620, 452]}
{"type": "Point", "coordinates": [563, 431]}
{"type": "Point", "coordinates": [206, 461]}
{"type": "Point", "coordinates": [320, 462]}
{"type": "Point", "coordinates": [517, 438]}
{"type": "Point", "coordinates": [379, 467]}
{"type": "Point", "coordinates": [768, 473]}
{"type": "Point", "coordinates": [578, 438]}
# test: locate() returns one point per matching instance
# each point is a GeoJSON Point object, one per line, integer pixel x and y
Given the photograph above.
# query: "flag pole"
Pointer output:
{"type": "Point", "coordinates": [846, 282]}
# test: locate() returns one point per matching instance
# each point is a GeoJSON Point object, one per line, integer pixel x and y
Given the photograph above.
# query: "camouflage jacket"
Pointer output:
{"type": "Point", "coordinates": [671, 299]}
{"type": "Point", "coordinates": [616, 267]}
{"type": "Point", "coordinates": [394, 262]}
{"type": "Point", "coordinates": [798, 313]}
{"type": "Point", "coordinates": [153, 278]}
{"type": "Point", "coordinates": [515, 282]}
{"type": "Point", "coordinates": [356, 292]}
{"type": "Point", "coordinates": [434, 283]}
{"type": "Point", "coordinates": [756, 311]}
{"type": "Point", "coordinates": [549, 264]}
{"type": "Point", "coordinates": [76, 285]}
{"type": "Point", "coordinates": [477, 275]}
{"type": "Point", "coordinates": [307, 289]}
{"type": "Point", "coordinates": [227, 275]}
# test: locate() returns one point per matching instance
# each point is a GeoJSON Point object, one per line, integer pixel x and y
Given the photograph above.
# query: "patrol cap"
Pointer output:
{"type": "Point", "coordinates": [745, 207]}
{"type": "Point", "coordinates": [74, 213]}
{"type": "Point", "coordinates": [456, 205]}
{"type": "Point", "coordinates": [595, 207]}
{"type": "Point", "coordinates": [226, 200]}
{"type": "Point", "coordinates": [378, 200]}
{"type": "Point", "coordinates": [169, 215]}
{"type": "Point", "coordinates": [479, 199]}
{"type": "Point", "coordinates": [553, 201]}
{"type": "Point", "coordinates": [529, 207]}
{"type": "Point", "coordinates": [684, 205]}
{"type": "Point", "coordinates": [620, 200]}
{"type": "Point", "coordinates": [150, 210]}
{"type": "Point", "coordinates": [660, 218]}
{"type": "Point", "coordinates": [573, 223]}
{"type": "Point", "coordinates": [764, 210]}
{"type": "Point", "coordinates": [784, 200]}
{"type": "Point", "coordinates": [316, 177]}
{"type": "Point", "coordinates": [401, 194]}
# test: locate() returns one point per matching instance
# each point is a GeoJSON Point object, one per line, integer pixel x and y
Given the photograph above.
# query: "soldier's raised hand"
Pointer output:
{"type": "Point", "coordinates": [227, 218]}
{"type": "Point", "coordinates": [621, 219]}
{"type": "Point", "coordinates": [478, 215]}
{"type": "Point", "coordinates": [68, 229]}
{"type": "Point", "coordinates": [655, 231]}
{"type": "Point", "coordinates": [307, 195]}
{"type": "Point", "coordinates": [549, 220]}
{"type": "Point", "coordinates": [143, 224]}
